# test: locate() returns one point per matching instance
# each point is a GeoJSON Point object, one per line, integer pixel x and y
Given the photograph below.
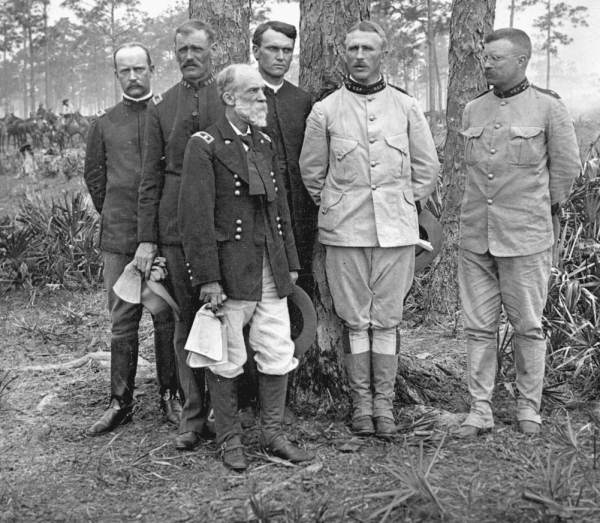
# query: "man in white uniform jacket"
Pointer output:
{"type": "Point", "coordinates": [368, 157]}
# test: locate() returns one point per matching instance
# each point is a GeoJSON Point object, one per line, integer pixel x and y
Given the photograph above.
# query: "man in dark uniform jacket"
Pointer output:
{"type": "Point", "coordinates": [273, 47]}
{"type": "Point", "coordinates": [112, 174]}
{"type": "Point", "coordinates": [186, 108]}
{"type": "Point", "coordinates": [242, 257]}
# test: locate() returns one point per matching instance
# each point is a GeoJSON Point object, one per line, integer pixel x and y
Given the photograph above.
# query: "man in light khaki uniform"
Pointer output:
{"type": "Point", "coordinates": [521, 158]}
{"type": "Point", "coordinates": [367, 157]}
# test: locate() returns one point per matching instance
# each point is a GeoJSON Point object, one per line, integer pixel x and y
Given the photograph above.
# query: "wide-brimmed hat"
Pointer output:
{"type": "Point", "coordinates": [132, 288]}
{"type": "Point", "coordinates": [303, 319]}
{"type": "Point", "coordinates": [430, 230]}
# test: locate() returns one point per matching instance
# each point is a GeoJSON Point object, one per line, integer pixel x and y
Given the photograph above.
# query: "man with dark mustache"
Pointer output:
{"type": "Point", "coordinates": [112, 174]}
{"type": "Point", "coordinates": [188, 107]}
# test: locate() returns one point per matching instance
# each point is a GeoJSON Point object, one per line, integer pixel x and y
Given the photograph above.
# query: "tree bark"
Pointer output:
{"type": "Point", "coordinates": [323, 25]}
{"type": "Point", "coordinates": [231, 21]}
{"type": "Point", "coordinates": [471, 21]}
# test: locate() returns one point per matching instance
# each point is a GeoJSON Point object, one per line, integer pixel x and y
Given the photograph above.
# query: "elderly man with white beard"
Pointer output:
{"type": "Point", "coordinates": [239, 247]}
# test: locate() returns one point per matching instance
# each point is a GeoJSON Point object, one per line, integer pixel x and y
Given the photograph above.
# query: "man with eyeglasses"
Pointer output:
{"type": "Point", "coordinates": [521, 157]}
{"type": "Point", "coordinates": [188, 107]}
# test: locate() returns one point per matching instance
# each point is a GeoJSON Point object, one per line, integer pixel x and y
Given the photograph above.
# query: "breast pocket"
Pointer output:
{"type": "Point", "coordinates": [474, 149]}
{"type": "Point", "coordinates": [527, 145]}
{"type": "Point", "coordinates": [397, 152]}
{"type": "Point", "coordinates": [343, 162]}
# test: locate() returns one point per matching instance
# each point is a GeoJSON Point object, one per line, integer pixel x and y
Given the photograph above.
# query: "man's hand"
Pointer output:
{"type": "Point", "coordinates": [294, 277]}
{"type": "Point", "coordinates": [212, 293]}
{"type": "Point", "coordinates": [144, 256]}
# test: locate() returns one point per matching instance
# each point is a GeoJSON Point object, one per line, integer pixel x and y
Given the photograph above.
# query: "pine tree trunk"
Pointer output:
{"type": "Point", "coordinates": [471, 21]}
{"type": "Point", "coordinates": [231, 20]}
{"type": "Point", "coordinates": [323, 25]}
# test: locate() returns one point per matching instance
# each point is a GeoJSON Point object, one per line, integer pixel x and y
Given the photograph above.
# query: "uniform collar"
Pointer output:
{"type": "Point", "coordinates": [128, 100]}
{"type": "Point", "coordinates": [355, 87]}
{"type": "Point", "coordinates": [203, 83]}
{"type": "Point", "coordinates": [519, 88]}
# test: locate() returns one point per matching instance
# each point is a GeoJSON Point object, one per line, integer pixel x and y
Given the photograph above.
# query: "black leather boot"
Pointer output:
{"type": "Point", "coordinates": [223, 395]}
{"type": "Point", "coordinates": [123, 366]}
{"type": "Point", "coordinates": [166, 367]}
{"type": "Point", "coordinates": [272, 392]}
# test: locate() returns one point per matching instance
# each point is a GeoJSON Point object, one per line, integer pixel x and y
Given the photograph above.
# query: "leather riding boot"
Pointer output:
{"type": "Point", "coordinates": [123, 366]}
{"type": "Point", "coordinates": [223, 395]}
{"type": "Point", "coordinates": [272, 392]}
{"type": "Point", "coordinates": [358, 371]}
{"type": "Point", "coordinates": [385, 368]}
{"type": "Point", "coordinates": [164, 350]}
{"type": "Point", "coordinates": [112, 417]}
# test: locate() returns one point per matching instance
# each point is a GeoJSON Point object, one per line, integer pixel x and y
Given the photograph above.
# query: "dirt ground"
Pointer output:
{"type": "Point", "coordinates": [50, 471]}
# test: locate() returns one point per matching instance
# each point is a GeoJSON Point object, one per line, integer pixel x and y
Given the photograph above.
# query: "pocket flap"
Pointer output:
{"type": "Point", "coordinates": [329, 198]}
{"type": "Point", "coordinates": [342, 146]}
{"type": "Point", "coordinates": [472, 132]}
{"type": "Point", "coordinates": [525, 132]}
{"type": "Point", "coordinates": [398, 141]}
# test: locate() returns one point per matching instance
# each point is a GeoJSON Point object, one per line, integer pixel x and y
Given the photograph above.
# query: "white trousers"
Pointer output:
{"type": "Point", "coordinates": [270, 336]}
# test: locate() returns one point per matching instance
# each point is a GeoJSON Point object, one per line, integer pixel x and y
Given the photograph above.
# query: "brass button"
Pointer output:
{"type": "Point", "coordinates": [490, 176]}
{"type": "Point", "coordinates": [276, 189]}
{"type": "Point", "coordinates": [373, 187]}
{"type": "Point", "coordinates": [373, 163]}
{"type": "Point", "coordinates": [497, 126]}
{"type": "Point", "coordinates": [195, 113]}
{"type": "Point", "coordinates": [279, 226]}
{"type": "Point", "coordinates": [503, 103]}
{"type": "Point", "coordinates": [280, 233]}
{"type": "Point", "coordinates": [238, 184]}
{"type": "Point", "coordinates": [492, 151]}
{"type": "Point", "coordinates": [237, 237]}
{"type": "Point", "coordinates": [238, 229]}
{"type": "Point", "coordinates": [278, 218]}
{"type": "Point", "coordinates": [372, 117]}
{"type": "Point", "coordinates": [236, 192]}
{"type": "Point", "coordinates": [372, 140]}
{"type": "Point", "coordinates": [235, 176]}
{"type": "Point", "coordinates": [489, 202]}
{"type": "Point", "coordinates": [238, 222]}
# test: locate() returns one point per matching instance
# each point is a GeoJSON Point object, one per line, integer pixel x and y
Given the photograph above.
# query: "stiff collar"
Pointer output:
{"type": "Point", "coordinates": [355, 87]}
{"type": "Point", "coordinates": [128, 100]}
{"type": "Point", "coordinates": [273, 87]}
{"type": "Point", "coordinates": [203, 83]}
{"type": "Point", "coordinates": [519, 88]}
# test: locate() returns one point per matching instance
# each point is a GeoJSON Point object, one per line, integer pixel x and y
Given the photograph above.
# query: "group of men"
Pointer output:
{"type": "Point", "coordinates": [228, 178]}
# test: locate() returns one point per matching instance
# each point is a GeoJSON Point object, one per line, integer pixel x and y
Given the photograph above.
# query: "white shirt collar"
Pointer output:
{"type": "Point", "coordinates": [275, 88]}
{"type": "Point", "coordinates": [140, 99]}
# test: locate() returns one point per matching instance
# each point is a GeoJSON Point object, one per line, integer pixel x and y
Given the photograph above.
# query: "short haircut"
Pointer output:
{"type": "Point", "coordinates": [194, 24]}
{"type": "Point", "coordinates": [281, 27]}
{"type": "Point", "coordinates": [369, 27]}
{"type": "Point", "coordinates": [517, 37]}
{"type": "Point", "coordinates": [228, 76]}
{"type": "Point", "coordinates": [129, 45]}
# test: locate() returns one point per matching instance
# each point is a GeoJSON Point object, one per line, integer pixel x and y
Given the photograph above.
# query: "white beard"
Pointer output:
{"type": "Point", "coordinates": [252, 113]}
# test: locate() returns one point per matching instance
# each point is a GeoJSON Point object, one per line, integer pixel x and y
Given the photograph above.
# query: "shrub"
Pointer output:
{"type": "Point", "coordinates": [51, 241]}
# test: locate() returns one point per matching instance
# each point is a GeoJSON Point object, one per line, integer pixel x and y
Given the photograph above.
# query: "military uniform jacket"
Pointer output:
{"type": "Point", "coordinates": [226, 231]}
{"type": "Point", "coordinates": [113, 162]}
{"type": "Point", "coordinates": [521, 157]}
{"type": "Point", "coordinates": [286, 119]}
{"type": "Point", "coordinates": [172, 119]}
{"type": "Point", "coordinates": [365, 160]}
